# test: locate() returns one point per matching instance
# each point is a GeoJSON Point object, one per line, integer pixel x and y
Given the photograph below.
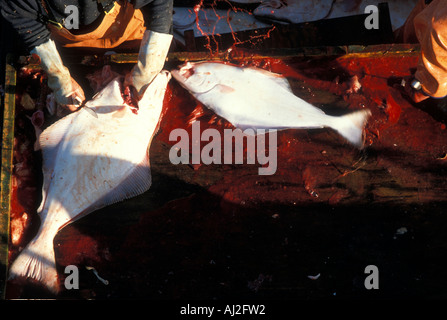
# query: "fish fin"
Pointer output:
{"type": "Point", "coordinates": [248, 130]}
{"type": "Point", "coordinates": [136, 182]}
{"type": "Point", "coordinates": [37, 262]}
{"type": "Point", "coordinates": [111, 92]}
{"type": "Point", "coordinates": [279, 79]}
{"type": "Point", "coordinates": [351, 126]}
{"type": "Point", "coordinates": [283, 82]}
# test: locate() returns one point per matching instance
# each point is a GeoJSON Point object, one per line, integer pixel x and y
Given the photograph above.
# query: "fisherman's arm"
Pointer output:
{"type": "Point", "coordinates": [430, 27]}
{"type": "Point", "coordinates": [155, 44]}
{"type": "Point", "coordinates": [25, 16]}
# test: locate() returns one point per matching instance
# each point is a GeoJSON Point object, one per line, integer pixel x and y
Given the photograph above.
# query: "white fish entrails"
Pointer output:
{"type": "Point", "coordinates": [252, 98]}
{"type": "Point", "coordinates": [91, 158]}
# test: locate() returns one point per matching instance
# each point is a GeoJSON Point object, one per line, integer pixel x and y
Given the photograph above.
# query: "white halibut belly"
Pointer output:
{"type": "Point", "coordinates": [280, 110]}
{"type": "Point", "coordinates": [254, 98]}
{"type": "Point", "coordinates": [91, 158]}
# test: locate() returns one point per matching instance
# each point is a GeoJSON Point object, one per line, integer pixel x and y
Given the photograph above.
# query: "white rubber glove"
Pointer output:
{"type": "Point", "coordinates": [67, 91]}
{"type": "Point", "coordinates": [151, 59]}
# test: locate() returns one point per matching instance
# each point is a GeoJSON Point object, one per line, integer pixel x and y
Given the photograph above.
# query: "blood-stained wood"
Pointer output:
{"type": "Point", "coordinates": [205, 231]}
{"type": "Point", "coordinates": [6, 169]}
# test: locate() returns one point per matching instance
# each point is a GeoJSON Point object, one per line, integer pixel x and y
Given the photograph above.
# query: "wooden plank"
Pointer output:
{"type": "Point", "coordinates": [6, 170]}
{"type": "Point", "coordinates": [347, 52]}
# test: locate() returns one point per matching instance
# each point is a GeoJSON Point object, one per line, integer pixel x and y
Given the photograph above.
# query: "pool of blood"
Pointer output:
{"type": "Point", "coordinates": [219, 231]}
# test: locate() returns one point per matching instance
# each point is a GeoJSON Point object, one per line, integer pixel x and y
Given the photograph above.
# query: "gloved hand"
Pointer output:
{"type": "Point", "coordinates": [67, 91]}
{"type": "Point", "coordinates": [151, 59]}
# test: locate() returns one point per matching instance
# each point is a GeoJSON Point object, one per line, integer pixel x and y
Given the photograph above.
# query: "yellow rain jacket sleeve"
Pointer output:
{"type": "Point", "coordinates": [427, 24]}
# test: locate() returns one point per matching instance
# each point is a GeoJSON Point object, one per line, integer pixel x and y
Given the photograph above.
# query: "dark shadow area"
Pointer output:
{"type": "Point", "coordinates": [187, 243]}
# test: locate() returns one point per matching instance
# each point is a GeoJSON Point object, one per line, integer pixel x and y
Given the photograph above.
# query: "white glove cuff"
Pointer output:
{"type": "Point", "coordinates": [59, 78]}
{"type": "Point", "coordinates": [151, 58]}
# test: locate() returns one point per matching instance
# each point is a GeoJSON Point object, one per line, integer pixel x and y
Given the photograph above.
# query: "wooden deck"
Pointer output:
{"type": "Point", "coordinates": [220, 231]}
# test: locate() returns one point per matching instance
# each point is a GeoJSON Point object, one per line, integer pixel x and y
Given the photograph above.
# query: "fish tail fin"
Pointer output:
{"type": "Point", "coordinates": [37, 262]}
{"type": "Point", "coordinates": [351, 126]}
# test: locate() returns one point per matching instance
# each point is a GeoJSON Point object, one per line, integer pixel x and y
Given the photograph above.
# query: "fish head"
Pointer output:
{"type": "Point", "coordinates": [197, 77]}
{"type": "Point", "coordinates": [155, 90]}
{"type": "Point", "coordinates": [109, 95]}
{"type": "Point", "coordinates": [112, 95]}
